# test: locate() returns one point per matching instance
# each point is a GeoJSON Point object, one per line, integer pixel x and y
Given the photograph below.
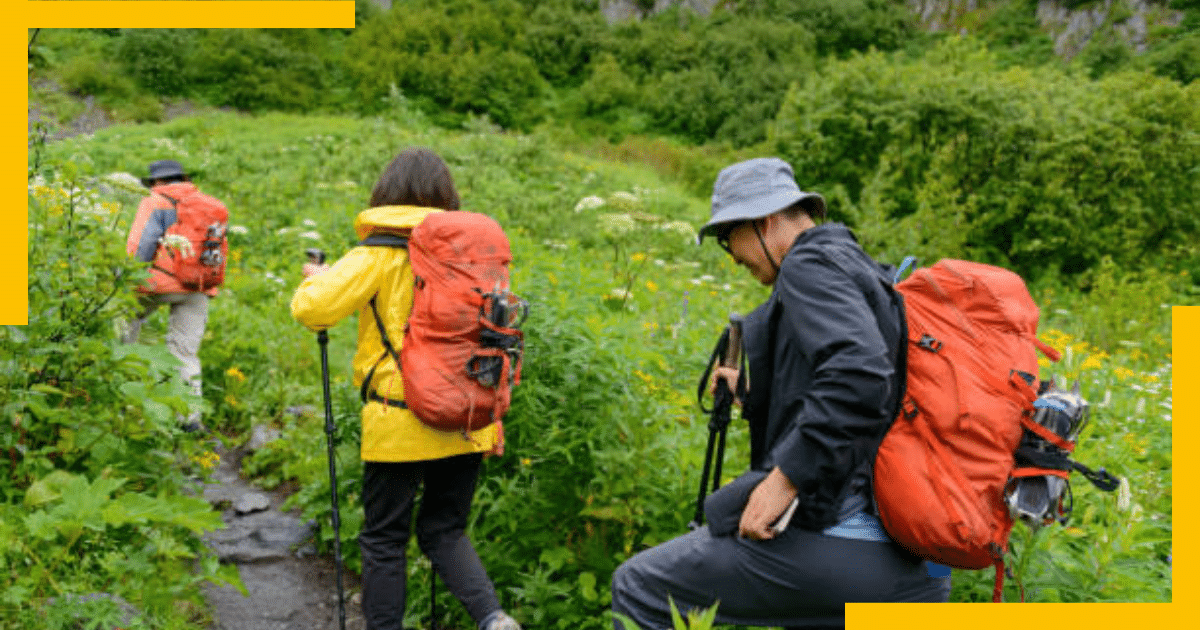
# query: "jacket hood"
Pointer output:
{"type": "Point", "coordinates": [389, 218]}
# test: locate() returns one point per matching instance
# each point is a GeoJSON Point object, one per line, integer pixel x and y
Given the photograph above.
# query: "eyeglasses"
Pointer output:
{"type": "Point", "coordinates": [723, 236]}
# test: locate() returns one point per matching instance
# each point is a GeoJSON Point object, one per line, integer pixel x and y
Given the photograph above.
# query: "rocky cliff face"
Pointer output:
{"type": "Point", "coordinates": [618, 10]}
{"type": "Point", "coordinates": [1070, 29]}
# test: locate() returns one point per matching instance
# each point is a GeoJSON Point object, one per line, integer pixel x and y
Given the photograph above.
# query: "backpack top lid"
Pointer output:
{"type": "Point", "coordinates": [461, 236]}
{"type": "Point", "coordinates": [990, 295]}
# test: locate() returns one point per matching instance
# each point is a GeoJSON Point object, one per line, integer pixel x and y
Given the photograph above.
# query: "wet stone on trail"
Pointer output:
{"type": "Point", "coordinates": [251, 502]}
{"type": "Point", "coordinates": [288, 585]}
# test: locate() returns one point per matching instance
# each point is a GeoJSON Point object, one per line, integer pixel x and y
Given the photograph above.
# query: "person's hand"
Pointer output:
{"type": "Point", "coordinates": [312, 269]}
{"type": "Point", "coordinates": [766, 504]}
{"type": "Point", "coordinates": [730, 376]}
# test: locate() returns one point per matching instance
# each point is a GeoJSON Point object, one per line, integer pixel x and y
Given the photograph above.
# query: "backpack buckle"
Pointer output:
{"type": "Point", "coordinates": [929, 343]}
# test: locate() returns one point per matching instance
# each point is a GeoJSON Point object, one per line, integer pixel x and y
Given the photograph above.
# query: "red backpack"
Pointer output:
{"type": "Point", "coordinates": [947, 471]}
{"type": "Point", "coordinates": [462, 348]}
{"type": "Point", "coordinates": [194, 249]}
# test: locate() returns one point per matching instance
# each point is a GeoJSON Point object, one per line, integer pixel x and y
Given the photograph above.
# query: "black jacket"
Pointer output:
{"type": "Point", "coordinates": [823, 387]}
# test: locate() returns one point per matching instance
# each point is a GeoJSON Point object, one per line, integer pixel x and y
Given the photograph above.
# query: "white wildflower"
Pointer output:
{"type": "Point", "coordinates": [624, 199]}
{"type": "Point", "coordinates": [310, 223]}
{"type": "Point", "coordinates": [313, 236]}
{"type": "Point", "coordinates": [707, 278]}
{"type": "Point", "coordinates": [589, 203]}
{"type": "Point", "coordinates": [617, 224]}
{"type": "Point", "coordinates": [619, 293]}
{"type": "Point", "coordinates": [238, 229]}
{"type": "Point", "coordinates": [169, 145]}
{"type": "Point", "coordinates": [1124, 495]}
{"type": "Point", "coordinates": [1141, 406]}
{"type": "Point", "coordinates": [177, 242]}
{"type": "Point", "coordinates": [284, 231]}
{"type": "Point", "coordinates": [125, 181]}
{"type": "Point", "coordinates": [679, 227]}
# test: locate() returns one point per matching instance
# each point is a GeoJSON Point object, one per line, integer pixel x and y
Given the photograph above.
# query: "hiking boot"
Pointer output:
{"type": "Point", "coordinates": [500, 621]}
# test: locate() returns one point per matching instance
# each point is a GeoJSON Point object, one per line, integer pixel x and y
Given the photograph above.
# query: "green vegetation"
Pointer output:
{"type": "Point", "coordinates": [596, 147]}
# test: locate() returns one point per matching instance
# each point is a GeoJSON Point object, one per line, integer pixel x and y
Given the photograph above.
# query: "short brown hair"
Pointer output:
{"type": "Point", "coordinates": [416, 177]}
{"type": "Point", "coordinates": [814, 207]}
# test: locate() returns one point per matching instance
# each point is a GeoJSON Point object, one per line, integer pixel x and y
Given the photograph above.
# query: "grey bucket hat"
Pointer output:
{"type": "Point", "coordinates": [162, 169]}
{"type": "Point", "coordinates": [754, 189]}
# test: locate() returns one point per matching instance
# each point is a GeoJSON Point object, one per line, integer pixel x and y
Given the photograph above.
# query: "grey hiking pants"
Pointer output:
{"type": "Point", "coordinates": [388, 491]}
{"type": "Point", "coordinates": [185, 330]}
{"type": "Point", "coordinates": [800, 579]}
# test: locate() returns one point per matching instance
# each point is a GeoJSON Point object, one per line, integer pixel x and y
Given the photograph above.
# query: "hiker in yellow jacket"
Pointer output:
{"type": "Point", "coordinates": [398, 450]}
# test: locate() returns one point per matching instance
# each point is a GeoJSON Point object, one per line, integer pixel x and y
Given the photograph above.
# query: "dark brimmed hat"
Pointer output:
{"type": "Point", "coordinates": [163, 169]}
{"type": "Point", "coordinates": [754, 189]}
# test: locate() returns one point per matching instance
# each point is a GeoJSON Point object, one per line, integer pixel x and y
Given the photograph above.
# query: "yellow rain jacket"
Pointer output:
{"type": "Point", "coordinates": [389, 434]}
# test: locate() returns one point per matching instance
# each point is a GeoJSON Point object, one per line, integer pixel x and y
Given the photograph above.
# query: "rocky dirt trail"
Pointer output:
{"type": "Point", "coordinates": [289, 586]}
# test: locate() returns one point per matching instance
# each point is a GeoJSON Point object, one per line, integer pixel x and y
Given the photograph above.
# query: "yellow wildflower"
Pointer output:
{"type": "Point", "coordinates": [1093, 362]}
{"type": "Point", "coordinates": [235, 373]}
{"type": "Point", "coordinates": [638, 257]}
{"type": "Point", "coordinates": [651, 286]}
{"type": "Point", "coordinates": [207, 461]}
{"type": "Point", "coordinates": [1123, 373]}
{"type": "Point", "coordinates": [525, 461]}
{"type": "Point", "coordinates": [231, 401]}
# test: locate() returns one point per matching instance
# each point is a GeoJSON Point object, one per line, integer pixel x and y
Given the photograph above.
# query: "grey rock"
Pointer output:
{"type": "Point", "coordinates": [264, 536]}
{"type": "Point", "coordinates": [251, 502]}
{"type": "Point", "coordinates": [262, 435]}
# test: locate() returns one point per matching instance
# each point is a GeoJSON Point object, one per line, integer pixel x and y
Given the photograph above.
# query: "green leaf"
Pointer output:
{"type": "Point", "coordinates": [587, 586]}
{"type": "Point", "coordinates": [47, 488]}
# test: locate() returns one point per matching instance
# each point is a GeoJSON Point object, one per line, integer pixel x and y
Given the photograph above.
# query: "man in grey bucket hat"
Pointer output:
{"type": "Point", "coordinates": [821, 353]}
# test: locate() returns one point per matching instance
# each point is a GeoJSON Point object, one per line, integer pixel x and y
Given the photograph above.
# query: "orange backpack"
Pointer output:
{"type": "Point", "coordinates": [194, 248]}
{"type": "Point", "coordinates": [462, 348]}
{"type": "Point", "coordinates": [945, 466]}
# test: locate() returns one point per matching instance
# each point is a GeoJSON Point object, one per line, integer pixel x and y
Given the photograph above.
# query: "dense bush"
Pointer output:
{"type": "Point", "coordinates": [1037, 170]}
{"type": "Point", "coordinates": [158, 58]}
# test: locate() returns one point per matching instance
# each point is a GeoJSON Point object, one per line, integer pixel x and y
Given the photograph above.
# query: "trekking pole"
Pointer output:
{"type": "Point", "coordinates": [727, 352]}
{"type": "Point", "coordinates": [323, 341]}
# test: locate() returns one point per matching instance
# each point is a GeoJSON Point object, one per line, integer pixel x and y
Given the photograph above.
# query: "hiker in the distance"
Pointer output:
{"type": "Point", "coordinates": [823, 388]}
{"type": "Point", "coordinates": [185, 269]}
{"type": "Point", "coordinates": [399, 451]}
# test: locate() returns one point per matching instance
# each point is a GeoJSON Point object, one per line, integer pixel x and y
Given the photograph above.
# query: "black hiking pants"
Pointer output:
{"type": "Point", "coordinates": [387, 493]}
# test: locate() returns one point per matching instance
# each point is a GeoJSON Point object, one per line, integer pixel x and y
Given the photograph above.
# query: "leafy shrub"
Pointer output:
{"type": "Point", "coordinates": [1032, 169]}
{"type": "Point", "coordinates": [89, 76]}
{"type": "Point", "coordinates": [844, 26]}
{"type": "Point", "coordinates": [158, 59]}
{"type": "Point", "coordinates": [250, 70]}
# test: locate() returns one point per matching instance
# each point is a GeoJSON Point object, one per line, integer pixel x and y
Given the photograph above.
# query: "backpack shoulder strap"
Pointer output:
{"type": "Point", "coordinates": [385, 239]}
